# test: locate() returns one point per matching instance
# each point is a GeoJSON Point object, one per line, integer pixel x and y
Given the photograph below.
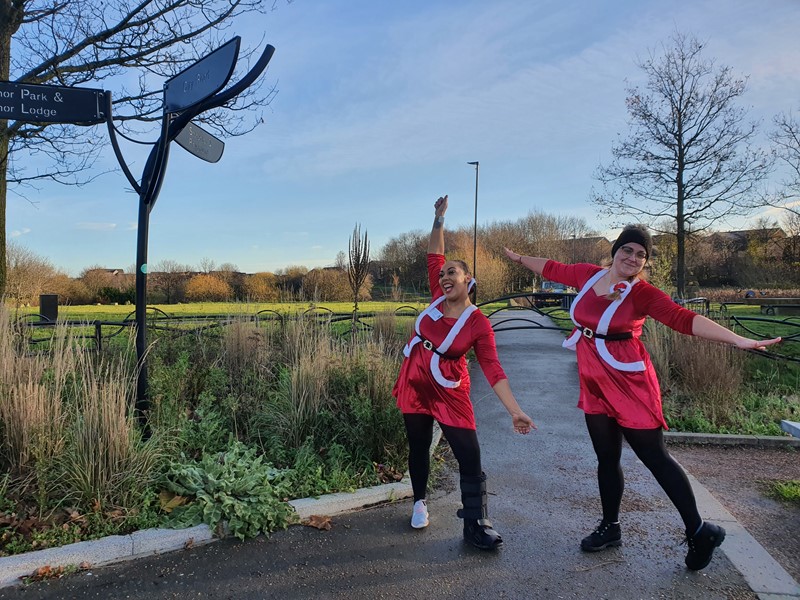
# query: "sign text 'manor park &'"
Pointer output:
{"type": "Point", "coordinates": [50, 103]}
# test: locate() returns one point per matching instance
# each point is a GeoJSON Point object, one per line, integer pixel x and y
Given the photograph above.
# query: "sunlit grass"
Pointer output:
{"type": "Point", "coordinates": [788, 491]}
{"type": "Point", "coordinates": [107, 312]}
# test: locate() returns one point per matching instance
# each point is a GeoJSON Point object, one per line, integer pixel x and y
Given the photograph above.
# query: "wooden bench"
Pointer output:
{"type": "Point", "coordinates": [775, 306]}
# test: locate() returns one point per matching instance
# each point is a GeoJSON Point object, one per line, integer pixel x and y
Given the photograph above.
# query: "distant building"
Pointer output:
{"type": "Point", "coordinates": [762, 243]}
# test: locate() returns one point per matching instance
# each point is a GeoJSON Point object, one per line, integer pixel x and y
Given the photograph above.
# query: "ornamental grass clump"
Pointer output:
{"type": "Point", "coordinates": [301, 391]}
{"type": "Point", "coordinates": [76, 465]}
{"type": "Point", "coordinates": [105, 462]}
{"type": "Point", "coordinates": [702, 382]}
{"type": "Point", "coordinates": [32, 419]}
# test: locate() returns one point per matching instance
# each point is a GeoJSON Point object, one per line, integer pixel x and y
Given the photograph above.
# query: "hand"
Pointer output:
{"type": "Point", "coordinates": [522, 423]}
{"type": "Point", "coordinates": [513, 256]}
{"type": "Point", "coordinates": [441, 206]}
{"type": "Point", "coordinates": [748, 344]}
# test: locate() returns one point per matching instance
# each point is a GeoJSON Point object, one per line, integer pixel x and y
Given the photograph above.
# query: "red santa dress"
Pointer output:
{"type": "Point", "coordinates": [434, 379]}
{"type": "Point", "coordinates": [616, 376]}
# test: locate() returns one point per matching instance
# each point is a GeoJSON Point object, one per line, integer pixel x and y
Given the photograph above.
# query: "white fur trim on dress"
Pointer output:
{"type": "Point", "coordinates": [602, 325]}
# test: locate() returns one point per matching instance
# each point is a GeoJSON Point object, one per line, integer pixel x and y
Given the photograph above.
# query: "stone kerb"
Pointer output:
{"type": "Point", "coordinates": [118, 548]}
{"type": "Point", "coordinates": [791, 427]}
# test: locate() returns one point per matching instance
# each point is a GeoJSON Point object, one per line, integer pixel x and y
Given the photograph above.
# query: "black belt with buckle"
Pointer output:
{"type": "Point", "coordinates": [429, 346]}
{"type": "Point", "coordinates": [611, 337]}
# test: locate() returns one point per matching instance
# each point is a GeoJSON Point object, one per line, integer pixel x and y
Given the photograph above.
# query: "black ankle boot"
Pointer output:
{"type": "Point", "coordinates": [702, 544]}
{"type": "Point", "coordinates": [477, 527]}
{"type": "Point", "coordinates": [605, 535]}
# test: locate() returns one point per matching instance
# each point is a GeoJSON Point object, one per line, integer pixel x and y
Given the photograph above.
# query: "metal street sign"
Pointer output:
{"type": "Point", "coordinates": [199, 142]}
{"type": "Point", "coordinates": [201, 80]}
{"type": "Point", "coordinates": [50, 103]}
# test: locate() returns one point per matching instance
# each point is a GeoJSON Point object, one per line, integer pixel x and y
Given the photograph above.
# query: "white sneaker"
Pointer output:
{"type": "Point", "coordinates": [419, 518]}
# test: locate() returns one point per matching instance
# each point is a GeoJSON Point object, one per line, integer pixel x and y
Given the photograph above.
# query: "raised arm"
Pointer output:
{"type": "Point", "coordinates": [436, 243]}
{"type": "Point", "coordinates": [708, 329]}
{"type": "Point", "coordinates": [534, 263]}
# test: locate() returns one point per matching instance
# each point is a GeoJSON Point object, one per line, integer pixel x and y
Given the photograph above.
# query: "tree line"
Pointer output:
{"type": "Point", "coordinates": [766, 256]}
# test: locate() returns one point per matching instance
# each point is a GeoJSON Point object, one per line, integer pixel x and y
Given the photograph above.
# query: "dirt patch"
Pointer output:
{"type": "Point", "coordinates": [738, 477]}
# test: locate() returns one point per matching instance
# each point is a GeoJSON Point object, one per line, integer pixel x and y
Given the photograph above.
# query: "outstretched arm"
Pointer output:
{"type": "Point", "coordinates": [436, 242]}
{"type": "Point", "coordinates": [708, 329]}
{"type": "Point", "coordinates": [534, 263]}
{"type": "Point", "coordinates": [522, 422]}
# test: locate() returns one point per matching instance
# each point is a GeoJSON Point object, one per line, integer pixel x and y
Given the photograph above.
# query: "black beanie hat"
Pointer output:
{"type": "Point", "coordinates": [637, 234]}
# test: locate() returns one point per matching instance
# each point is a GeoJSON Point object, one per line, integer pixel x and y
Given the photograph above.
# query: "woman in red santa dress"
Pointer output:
{"type": "Point", "coordinates": [434, 384]}
{"type": "Point", "coordinates": [619, 391]}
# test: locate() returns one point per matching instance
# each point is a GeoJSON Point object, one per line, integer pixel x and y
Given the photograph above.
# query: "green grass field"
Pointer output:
{"type": "Point", "coordinates": [105, 312]}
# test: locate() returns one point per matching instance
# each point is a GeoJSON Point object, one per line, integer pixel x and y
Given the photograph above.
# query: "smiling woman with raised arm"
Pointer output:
{"type": "Point", "coordinates": [619, 391]}
{"type": "Point", "coordinates": [434, 384]}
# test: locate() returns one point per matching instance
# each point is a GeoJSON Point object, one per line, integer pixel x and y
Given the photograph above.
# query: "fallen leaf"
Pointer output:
{"type": "Point", "coordinates": [318, 521]}
{"type": "Point", "coordinates": [46, 572]}
{"type": "Point", "coordinates": [170, 501]}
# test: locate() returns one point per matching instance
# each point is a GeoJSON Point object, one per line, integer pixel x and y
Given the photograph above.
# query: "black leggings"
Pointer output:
{"type": "Point", "coordinates": [648, 444]}
{"type": "Point", "coordinates": [463, 442]}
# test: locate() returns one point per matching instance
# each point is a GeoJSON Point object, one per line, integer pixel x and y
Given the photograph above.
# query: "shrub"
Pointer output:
{"type": "Point", "coordinates": [261, 287]}
{"type": "Point", "coordinates": [208, 288]}
{"type": "Point", "coordinates": [327, 285]}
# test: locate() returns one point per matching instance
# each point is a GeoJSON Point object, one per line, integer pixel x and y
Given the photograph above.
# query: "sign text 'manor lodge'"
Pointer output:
{"type": "Point", "coordinates": [50, 103]}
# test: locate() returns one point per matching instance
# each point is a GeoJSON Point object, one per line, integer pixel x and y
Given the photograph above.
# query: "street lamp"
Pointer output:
{"type": "Point", "coordinates": [475, 226]}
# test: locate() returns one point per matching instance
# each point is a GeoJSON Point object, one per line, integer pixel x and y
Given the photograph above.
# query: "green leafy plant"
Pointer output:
{"type": "Point", "coordinates": [788, 491]}
{"type": "Point", "coordinates": [234, 489]}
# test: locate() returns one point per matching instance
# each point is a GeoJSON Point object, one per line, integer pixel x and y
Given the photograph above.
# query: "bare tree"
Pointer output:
{"type": "Point", "coordinates": [791, 225]}
{"type": "Point", "coordinates": [170, 278]}
{"type": "Point", "coordinates": [207, 265]}
{"type": "Point", "coordinates": [406, 255]}
{"type": "Point", "coordinates": [230, 274]}
{"type": "Point", "coordinates": [358, 263]}
{"type": "Point", "coordinates": [87, 42]}
{"type": "Point", "coordinates": [28, 274]}
{"type": "Point", "coordinates": [688, 155]}
{"type": "Point", "coordinates": [786, 138]}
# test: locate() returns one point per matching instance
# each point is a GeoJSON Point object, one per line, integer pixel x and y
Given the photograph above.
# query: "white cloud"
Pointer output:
{"type": "Point", "coordinates": [19, 232]}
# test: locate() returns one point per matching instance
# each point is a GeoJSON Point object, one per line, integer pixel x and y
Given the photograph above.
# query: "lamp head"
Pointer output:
{"type": "Point", "coordinates": [473, 163]}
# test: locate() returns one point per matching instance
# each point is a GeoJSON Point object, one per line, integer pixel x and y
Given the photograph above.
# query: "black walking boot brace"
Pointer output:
{"type": "Point", "coordinates": [477, 527]}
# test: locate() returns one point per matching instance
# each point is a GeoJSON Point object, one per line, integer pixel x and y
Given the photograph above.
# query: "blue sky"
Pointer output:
{"type": "Point", "coordinates": [380, 107]}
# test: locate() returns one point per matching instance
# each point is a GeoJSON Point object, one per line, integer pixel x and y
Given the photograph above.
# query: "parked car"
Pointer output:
{"type": "Point", "coordinates": [551, 294]}
{"type": "Point", "coordinates": [554, 288]}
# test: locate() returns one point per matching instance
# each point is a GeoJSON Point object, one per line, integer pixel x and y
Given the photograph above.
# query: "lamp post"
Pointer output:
{"type": "Point", "coordinates": [475, 226]}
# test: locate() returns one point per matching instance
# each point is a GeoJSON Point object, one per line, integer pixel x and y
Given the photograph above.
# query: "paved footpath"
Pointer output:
{"type": "Point", "coordinates": [543, 501]}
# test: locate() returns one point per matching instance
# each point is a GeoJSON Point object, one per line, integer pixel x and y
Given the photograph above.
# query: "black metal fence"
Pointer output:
{"type": "Point", "coordinates": [513, 316]}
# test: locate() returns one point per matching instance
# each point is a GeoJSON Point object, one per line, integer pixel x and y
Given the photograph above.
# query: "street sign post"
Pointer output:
{"type": "Point", "coordinates": [196, 140]}
{"type": "Point", "coordinates": [203, 79]}
{"type": "Point", "coordinates": [191, 92]}
{"type": "Point", "coordinates": [50, 103]}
